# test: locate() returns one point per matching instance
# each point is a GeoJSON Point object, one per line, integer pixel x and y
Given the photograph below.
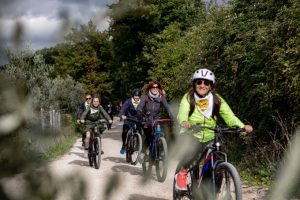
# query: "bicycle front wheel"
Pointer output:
{"type": "Point", "coordinates": [97, 152]}
{"type": "Point", "coordinates": [161, 162]}
{"type": "Point", "coordinates": [228, 183]}
{"type": "Point", "coordinates": [136, 146]}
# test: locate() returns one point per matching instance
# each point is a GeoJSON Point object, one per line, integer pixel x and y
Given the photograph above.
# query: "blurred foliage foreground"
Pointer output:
{"type": "Point", "coordinates": [22, 144]}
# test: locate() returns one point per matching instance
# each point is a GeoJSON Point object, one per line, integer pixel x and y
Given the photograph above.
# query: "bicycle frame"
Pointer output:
{"type": "Point", "coordinates": [210, 158]}
{"type": "Point", "coordinates": [153, 153]}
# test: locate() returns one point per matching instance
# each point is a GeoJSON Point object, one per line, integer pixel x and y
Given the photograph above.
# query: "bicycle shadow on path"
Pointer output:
{"type": "Point", "coordinates": [79, 163]}
{"type": "Point", "coordinates": [115, 159]}
{"type": "Point", "coordinates": [143, 197]}
{"type": "Point", "coordinates": [127, 169]}
{"type": "Point", "coordinates": [79, 154]}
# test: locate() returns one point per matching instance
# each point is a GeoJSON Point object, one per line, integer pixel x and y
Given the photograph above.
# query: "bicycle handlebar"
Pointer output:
{"type": "Point", "coordinates": [132, 119]}
{"type": "Point", "coordinates": [103, 121]}
{"type": "Point", "coordinates": [162, 120]}
{"type": "Point", "coordinates": [218, 129]}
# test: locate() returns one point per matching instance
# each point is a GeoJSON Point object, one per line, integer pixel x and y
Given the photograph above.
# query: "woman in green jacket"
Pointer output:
{"type": "Point", "coordinates": [202, 105]}
{"type": "Point", "coordinates": [92, 114]}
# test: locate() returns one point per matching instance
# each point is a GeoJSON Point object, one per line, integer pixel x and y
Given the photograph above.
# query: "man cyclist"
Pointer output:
{"type": "Point", "coordinates": [202, 105]}
{"type": "Point", "coordinates": [92, 114]}
{"type": "Point", "coordinates": [81, 109]}
{"type": "Point", "coordinates": [129, 109]}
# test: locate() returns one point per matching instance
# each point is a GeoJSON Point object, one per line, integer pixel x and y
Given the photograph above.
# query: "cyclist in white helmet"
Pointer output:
{"type": "Point", "coordinates": [202, 105]}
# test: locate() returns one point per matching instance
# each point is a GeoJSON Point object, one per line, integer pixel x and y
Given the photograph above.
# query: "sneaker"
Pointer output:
{"type": "Point", "coordinates": [122, 151]}
{"type": "Point", "coordinates": [180, 179]}
{"type": "Point", "coordinates": [141, 157]}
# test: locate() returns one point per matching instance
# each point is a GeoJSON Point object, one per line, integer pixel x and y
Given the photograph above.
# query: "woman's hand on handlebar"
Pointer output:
{"type": "Point", "coordinates": [248, 129]}
{"type": "Point", "coordinates": [124, 117]}
{"type": "Point", "coordinates": [185, 124]}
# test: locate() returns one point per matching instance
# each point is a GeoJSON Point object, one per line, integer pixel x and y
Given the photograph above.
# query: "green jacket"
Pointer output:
{"type": "Point", "coordinates": [101, 114]}
{"type": "Point", "coordinates": [197, 117]}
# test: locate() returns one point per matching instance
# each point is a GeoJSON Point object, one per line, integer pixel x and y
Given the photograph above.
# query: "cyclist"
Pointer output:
{"type": "Point", "coordinates": [202, 105]}
{"type": "Point", "coordinates": [150, 108]}
{"type": "Point", "coordinates": [81, 109]}
{"type": "Point", "coordinates": [94, 113]}
{"type": "Point", "coordinates": [110, 111]}
{"type": "Point", "coordinates": [129, 109]}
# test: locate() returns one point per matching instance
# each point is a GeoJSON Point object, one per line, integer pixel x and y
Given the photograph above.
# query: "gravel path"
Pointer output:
{"type": "Point", "coordinates": [127, 180]}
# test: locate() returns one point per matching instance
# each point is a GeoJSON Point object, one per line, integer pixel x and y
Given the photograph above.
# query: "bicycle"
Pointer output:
{"type": "Point", "coordinates": [157, 153]}
{"type": "Point", "coordinates": [95, 147]}
{"type": "Point", "coordinates": [215, 178]}
{"type": "Point", "coordinates": [133, 141]}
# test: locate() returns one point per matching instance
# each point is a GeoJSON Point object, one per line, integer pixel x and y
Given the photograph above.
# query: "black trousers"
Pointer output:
{"type": "Point", "coordinates": [126, 128]}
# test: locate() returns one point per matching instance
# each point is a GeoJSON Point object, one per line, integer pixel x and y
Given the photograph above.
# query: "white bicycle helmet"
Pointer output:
{"type": "Point", "coordinates": [204, 74]}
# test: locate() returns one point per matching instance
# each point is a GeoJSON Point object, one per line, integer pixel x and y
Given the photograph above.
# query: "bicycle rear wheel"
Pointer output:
{"type": "Point", "coordinates": [97, 152]}
{"type": "Point", "coordinates": [228, 183]}
{"type": "Point", "coordinates": [161, 162]}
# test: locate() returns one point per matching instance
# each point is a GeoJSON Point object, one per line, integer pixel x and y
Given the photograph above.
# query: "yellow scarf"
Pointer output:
{"type": "Point", "coordinates": [135, 104]}
{"type": "Point", "coordinates": [203, 104]}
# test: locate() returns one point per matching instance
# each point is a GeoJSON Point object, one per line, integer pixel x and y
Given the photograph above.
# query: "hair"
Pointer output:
{"type": "Point", "coordinates": [94, 96]}
{"type": "Point", "coordinates": [149, 86]}
{"type": "Point", "coordinates": [192, 101]}
{"type": "Point", "coordinates": [87, 94]}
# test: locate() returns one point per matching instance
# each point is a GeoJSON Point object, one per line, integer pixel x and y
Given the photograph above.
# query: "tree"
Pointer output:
{"type": "Point", "coordinates": [83, 57]}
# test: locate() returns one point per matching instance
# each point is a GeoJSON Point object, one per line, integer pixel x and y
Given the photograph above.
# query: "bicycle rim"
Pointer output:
{"type": "Point", "coordinates": [161, 162]}
{"type": "Point", "coordinates": [228, 183]}
{"type": "Point", "coordinates": [137, 148]}
{"type": "Point", "coordinates": [97, 152]}
{"type": "Point", "coordinates": [128, 147]}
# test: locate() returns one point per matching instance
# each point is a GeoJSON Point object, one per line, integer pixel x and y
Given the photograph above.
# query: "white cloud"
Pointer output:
{"type": "Point", "coordinates": [43, 20]}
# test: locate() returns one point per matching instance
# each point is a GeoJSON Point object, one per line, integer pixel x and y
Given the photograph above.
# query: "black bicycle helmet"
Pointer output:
{"type": "Point", "coordinates": [136, 92]}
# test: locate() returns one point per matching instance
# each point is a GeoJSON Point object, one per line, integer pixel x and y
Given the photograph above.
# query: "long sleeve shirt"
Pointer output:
{"type": "Point", "coordinates": [197, 117]}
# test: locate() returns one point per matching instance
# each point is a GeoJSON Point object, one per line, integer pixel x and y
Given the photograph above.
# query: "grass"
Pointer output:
{"type": "Point", "coordinates": [261, 179]}
{"type": "Point", "coordinates": [59, 148]}
{"type": "Point", "coordinates": [65, 144]}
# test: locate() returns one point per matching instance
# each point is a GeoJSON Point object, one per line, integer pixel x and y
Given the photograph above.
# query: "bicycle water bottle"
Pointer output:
{"type": "Point", "coordinates": [158, 129]}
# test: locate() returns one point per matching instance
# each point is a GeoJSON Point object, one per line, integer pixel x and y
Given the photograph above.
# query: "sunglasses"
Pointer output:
{"type": "Point", "coordinates": [155, 86]}
{"type": "Point", "coordinates": [200, 81]}
{"type": "Point", "coordinates": [88, 98]}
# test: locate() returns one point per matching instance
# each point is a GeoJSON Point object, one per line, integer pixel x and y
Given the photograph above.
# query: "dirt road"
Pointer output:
{"type": "Point", "coordinates": [126, 181]}
{"type": "Point", "coordinates": [131, 184]}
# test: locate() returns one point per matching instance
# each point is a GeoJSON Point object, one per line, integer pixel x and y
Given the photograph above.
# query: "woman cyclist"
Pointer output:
{"type": "Point", "coordinates": [129, 109]}
{"type": "Point", "coordinates": [94, 113]}
{"type": "Point", "coordinates": [150, 109]}
{"type": "Point", "coordinates": [202, 105]}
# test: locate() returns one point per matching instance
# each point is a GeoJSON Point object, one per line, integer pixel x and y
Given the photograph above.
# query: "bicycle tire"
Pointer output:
{"type": "Point", "coordinates": [136, 146]}
{"type": "Point", "coordinates": [161, 163]}
{"type": "Point", "coordinates": [128, 147]}
{"type": "Point", "coordinates": [228, 178]}
{"type": "Point", "coordinates": [147, 163]}
{"type": "Point", "coordinates": [97, 152]}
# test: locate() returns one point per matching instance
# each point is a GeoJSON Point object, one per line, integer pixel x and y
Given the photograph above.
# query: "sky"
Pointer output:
{"type": "Point", "coordinates": [45, 22]}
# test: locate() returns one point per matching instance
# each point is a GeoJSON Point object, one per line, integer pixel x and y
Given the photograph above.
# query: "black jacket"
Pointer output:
{"type": "Point", "coordinates": [151, 108]}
